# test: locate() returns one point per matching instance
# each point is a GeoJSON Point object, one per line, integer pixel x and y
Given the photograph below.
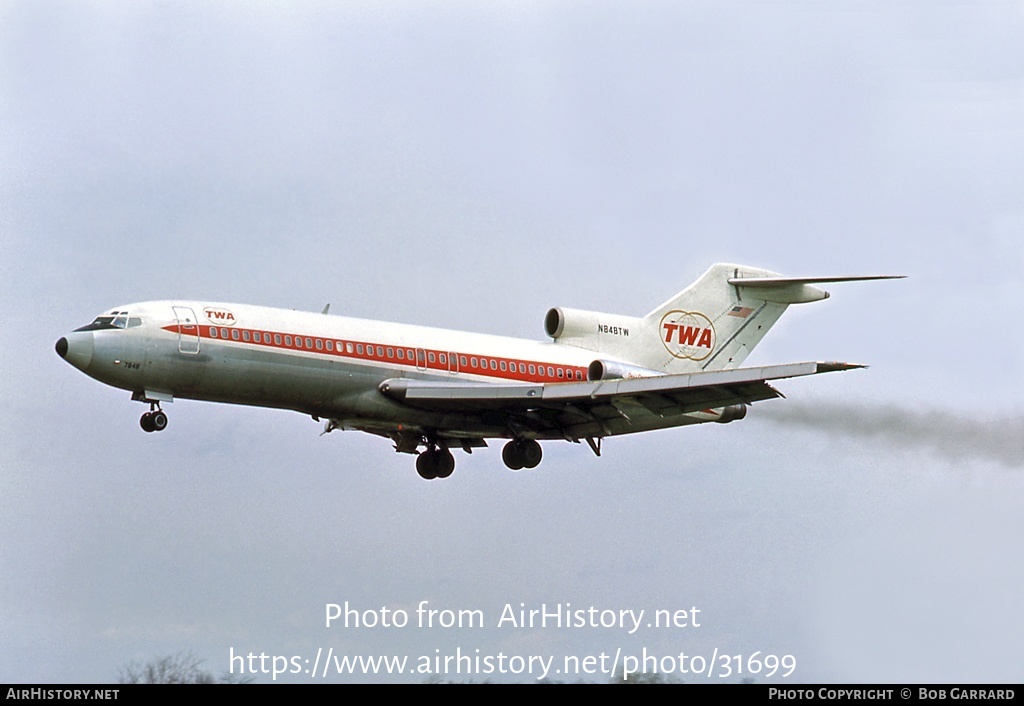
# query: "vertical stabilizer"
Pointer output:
{"type": "Point", "coordinates": [712, 324]}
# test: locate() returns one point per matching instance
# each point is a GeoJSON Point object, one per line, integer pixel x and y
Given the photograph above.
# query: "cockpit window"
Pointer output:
{"type": "Point", "coordinates": [101, 322]}
{"type": "Point", "coordinates": [113, 320]}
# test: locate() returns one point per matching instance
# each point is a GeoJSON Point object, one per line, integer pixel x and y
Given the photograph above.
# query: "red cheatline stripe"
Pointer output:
{"type": "Point", "coordinates": [268, 339]}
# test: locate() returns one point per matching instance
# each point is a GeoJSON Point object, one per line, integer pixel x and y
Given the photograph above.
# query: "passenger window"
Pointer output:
{"type": "Point", "coordinates": [494, 365]}
{"type": "Point", "coordinates": [380, 351]}
{"type": "Point", "coordinates": [235, 335]}
{"type": "Point", "coordinates": [359, 348]}
{"type": "Point", "coordinates": [256, 336]}
{"type": "Point", "coordinates": [213, 332]}
{"type": "Point", "coordinates": [462, 361]}
{"type": "Point", "coordinates": [319, 344]}
{"type": "Point", "coordinates": [522, 367]}
{"type": "Point", "coordinates": [533, 370]}
{"type": "Point", "coordinates": [442, 359]}
{"type": "Point", "coordinates": [391, 352]}
{"type": "Point", "coordinates": [401, 354]}
{"type": "Point", "coordinates": [288, 341]}
{"type": "Point", "coordinates": [277, 339]}
{"type": "Point", "coordinates": [245, 335]}
{"type": "Point", "coordinates": [472, 362]}
{"type": "Point", "coordinates": [348, 347]}
{"type": "Point", "coordinates": [551, 372]}
{"type": "Point", "coordinates": [430, 357]}
{"type": "Point", "coordinates": [224, 333]}
{"type": "Point", "coordinates": [561, 373]}
{"type": "Point", "coordinates": [503, 367]}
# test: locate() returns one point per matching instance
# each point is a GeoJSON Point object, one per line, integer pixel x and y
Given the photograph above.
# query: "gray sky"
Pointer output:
{"type": "Point", "coordinates": [469, 166]}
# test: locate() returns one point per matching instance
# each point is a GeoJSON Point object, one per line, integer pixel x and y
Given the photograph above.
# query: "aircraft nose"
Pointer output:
{"type": "Point", "coordinates": [76, 348]}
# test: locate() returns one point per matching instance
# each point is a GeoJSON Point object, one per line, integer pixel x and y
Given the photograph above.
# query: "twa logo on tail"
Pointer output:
{"type": "Point", "coordinates": [687, 334]}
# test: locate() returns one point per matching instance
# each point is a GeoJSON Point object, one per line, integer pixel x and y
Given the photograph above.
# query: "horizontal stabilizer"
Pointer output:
{"type": "Point", "coordinates": [794, 290]}
{"type": "Point", "coordinates": [788, 281]}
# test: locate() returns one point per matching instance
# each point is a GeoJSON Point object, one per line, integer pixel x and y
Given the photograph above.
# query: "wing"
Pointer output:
{"type": "Point", "coordinates": [576, 410]}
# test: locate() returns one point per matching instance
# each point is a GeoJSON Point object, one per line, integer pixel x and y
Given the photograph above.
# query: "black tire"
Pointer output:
{"type": "Point", "coordinates": [426, 466]}
{"type": "Point", "coordinates": [159, 421]}
{"type": "Point", "coordinates": [512, 456]}
{"type": "Point", "coordinates": [146, 422]}
{"type": "Point", "coordinates": [530, 452]}
{"type": "Point", "coordinates": [445, 463]}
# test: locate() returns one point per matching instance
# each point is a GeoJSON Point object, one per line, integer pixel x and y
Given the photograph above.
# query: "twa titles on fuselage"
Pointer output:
{"type": "Point", "coordinates": [433, 390]}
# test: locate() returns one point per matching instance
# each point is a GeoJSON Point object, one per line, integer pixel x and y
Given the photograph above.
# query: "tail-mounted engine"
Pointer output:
{"type": "Point", "coordinates": [593, 330]}
{"type": "Point", "coordinates": [613, 370]}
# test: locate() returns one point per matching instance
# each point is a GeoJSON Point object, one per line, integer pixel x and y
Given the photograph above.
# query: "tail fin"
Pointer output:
{"type": "Point", "coordinates": [715, 323]}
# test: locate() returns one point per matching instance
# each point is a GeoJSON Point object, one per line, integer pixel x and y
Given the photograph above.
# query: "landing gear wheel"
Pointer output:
{"type": "Point", "coordinates": [445, 463]}
{"type": "Point", "coordinates": [435, 463]}
{"type": "Point", "coordinates": [530, 453]}
{"type": "Point", "coordinates": [425, 465]}
{"type": "Point", "coordinates": [158, 420]}
{"type": "Point", "coordinates": [522, 453]}
{"type": "Point", "coordinates": [512, 456]}
{"type": "Point", "coordinates": [154, 419]}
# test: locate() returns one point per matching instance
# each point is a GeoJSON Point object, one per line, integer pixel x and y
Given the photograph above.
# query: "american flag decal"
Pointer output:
{"type": "Point", "coordinates": [741, 311]}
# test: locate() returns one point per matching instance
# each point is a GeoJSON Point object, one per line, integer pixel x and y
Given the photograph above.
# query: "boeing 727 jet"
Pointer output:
{"type": "Point", "coordinates": [433, 390]}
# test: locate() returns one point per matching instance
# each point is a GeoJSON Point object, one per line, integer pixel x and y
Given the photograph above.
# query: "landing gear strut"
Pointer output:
{"type": "Point", "coordinates": [154, 419]}
{"type": "Point", "coordinates": [521, 453]}
{"type": "Point", "coordinates": [435, 462]}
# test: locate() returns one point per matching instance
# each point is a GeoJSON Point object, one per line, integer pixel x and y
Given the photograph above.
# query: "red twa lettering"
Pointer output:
{"type": "Point", "coordinates": [220, 315]}
{"type": "Point", "coordinates": [688, 335]}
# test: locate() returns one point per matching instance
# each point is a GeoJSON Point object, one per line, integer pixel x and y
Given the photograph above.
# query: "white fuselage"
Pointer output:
{"type": "Point", "coordinates": [322, 365]}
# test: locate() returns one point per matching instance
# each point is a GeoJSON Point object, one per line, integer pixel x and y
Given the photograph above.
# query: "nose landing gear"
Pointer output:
{"type": "Point", "coordinates": [153, 420]}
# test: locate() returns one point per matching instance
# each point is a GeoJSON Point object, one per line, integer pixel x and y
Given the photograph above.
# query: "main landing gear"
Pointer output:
{"type": "Point", "coordinates": [521, 453]}
{"type": "Point", "coordinates": [435, 462]}
{"type": "Point", "coordinates": [154, 419]}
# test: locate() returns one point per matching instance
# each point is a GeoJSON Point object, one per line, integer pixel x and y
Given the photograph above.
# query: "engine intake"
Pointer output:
{"type": "Point", "coordinates": [594, 330]}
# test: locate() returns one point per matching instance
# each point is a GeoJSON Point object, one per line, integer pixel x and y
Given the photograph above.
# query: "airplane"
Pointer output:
{"type": "Point", "coordinates": [600, 375]}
